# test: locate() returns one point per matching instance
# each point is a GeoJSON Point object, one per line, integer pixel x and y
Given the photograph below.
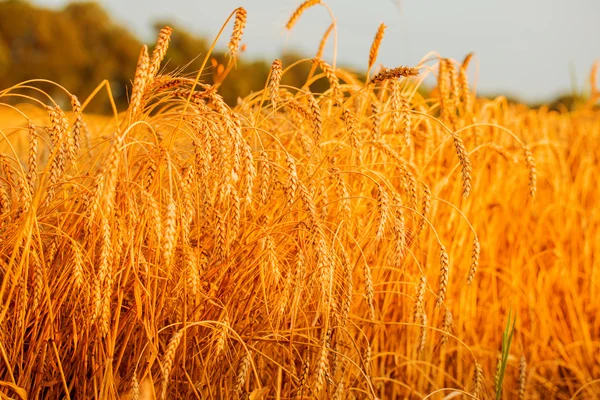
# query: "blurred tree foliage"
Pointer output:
{"type": "Point", "coordinates": [79, 46]}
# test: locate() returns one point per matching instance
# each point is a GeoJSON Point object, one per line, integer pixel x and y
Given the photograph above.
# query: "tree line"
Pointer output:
{"type": "Point", "coordinates": [80, 45]}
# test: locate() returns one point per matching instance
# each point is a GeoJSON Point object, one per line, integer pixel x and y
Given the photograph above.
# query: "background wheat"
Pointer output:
{"type": "Point", "coordinates": [299, 244]}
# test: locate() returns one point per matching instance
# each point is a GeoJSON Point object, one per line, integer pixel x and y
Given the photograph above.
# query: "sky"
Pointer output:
{"type": "Point", "coordinates": [531, 49]}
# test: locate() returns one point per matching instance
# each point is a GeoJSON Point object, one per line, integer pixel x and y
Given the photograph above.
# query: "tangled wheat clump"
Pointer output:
{"type": "Point", "coordinates": [210, 251]}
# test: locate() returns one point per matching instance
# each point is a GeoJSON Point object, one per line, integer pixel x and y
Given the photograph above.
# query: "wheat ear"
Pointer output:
{"type": "Point", "coordinates": [444, 272]}
{"type": "Point", "coordinates": [497, 388]}
{"type": "Point", "coordinates": [376, 44]}
{"type": "Point", "coordinates": [420, 299]}
{"type": "Point", "coordinates": [77, 126]}
{"type": "Point", "coordinates": [463, 82]}
{"type": "Point", "coordinates": [299, 11]}
{"type": "Point", "coordinates": [323, 362]}
{"type": "Point", "coordinates": [394, 73]}
{"type": "Point", "coordinates": [324, 41]}
{"type": "Point", "coordinates": [238, 30]}
{"type": "Point", "coordinates": [474, 260]}
{"type": "Point", "coordinates": [275, 80]}
{"type": "Point", "coordinates": [162, 44]}
{"type": "Point", "coordinates": [370, 292]}
{"type": "Point", "coordinates": [168, 360]}
{"type": "Point", "coordinates": [522, 378]}
{"type": "Point", "coordinates": [446, 327]}
{"type": "Point", "coordinates": [465, 162]}
{"type": "Point", "coordinates": [530, 162]}
{"type": "Point", "coordinates": [242, 372]}
{"type": "Point", "coordinates": [477, 384]}
{"type": "Point", "coordinates": [303, 378]}
{"type": "Point", "coordinates": [383, 206]}
{"type": "Point", "coordinates": [139, 81]}
{"type": "Point", "coordinates": [32, 161]}
{"type": "Point", "coordinates": [422, 334]}
{"type": "Point", "coordinates": [443, 89]}
{"type": "Point", "coordinates": [334, 81]}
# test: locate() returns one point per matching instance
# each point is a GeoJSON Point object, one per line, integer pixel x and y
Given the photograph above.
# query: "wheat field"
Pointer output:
{"type": "Point", "coordinates": [366, 242]}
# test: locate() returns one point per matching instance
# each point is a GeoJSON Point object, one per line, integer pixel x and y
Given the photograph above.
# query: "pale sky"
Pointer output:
{"type": "Point", "coordinates": [534, 49]}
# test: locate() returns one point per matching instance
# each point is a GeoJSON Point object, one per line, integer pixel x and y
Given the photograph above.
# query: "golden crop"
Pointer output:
{"type": "Point", "coordinates": [365, 242]}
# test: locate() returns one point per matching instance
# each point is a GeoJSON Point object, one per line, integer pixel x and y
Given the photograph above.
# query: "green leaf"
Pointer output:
{"type": "Point", "coordinates": [506, 342]}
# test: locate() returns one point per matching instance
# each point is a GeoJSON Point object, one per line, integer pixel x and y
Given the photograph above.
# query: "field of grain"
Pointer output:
{"type": "Point", "coordinates": [366, 242]}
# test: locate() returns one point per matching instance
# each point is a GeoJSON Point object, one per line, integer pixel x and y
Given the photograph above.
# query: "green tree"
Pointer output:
{"type": "Point", "coordinates": [77, 47]}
